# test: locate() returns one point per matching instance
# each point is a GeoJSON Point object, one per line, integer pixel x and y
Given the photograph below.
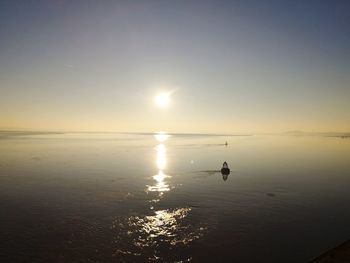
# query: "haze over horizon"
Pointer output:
{"type": "Point", "coordinates": [243, 66]}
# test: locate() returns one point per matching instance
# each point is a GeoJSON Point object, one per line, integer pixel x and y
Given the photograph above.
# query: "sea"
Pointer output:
{"type": "Point", "coordinates": [161, 197]}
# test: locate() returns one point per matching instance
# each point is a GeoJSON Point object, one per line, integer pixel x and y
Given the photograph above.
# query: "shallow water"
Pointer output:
{"type": "Point", "coordinates": [137, 197]}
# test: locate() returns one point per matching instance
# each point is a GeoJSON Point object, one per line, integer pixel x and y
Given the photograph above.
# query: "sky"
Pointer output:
{"type": "Point", "coordinates": [230, 66]}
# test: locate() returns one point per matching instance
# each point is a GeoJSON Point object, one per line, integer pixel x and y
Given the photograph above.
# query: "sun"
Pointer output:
{"type": "Point", "coordinates": [162, 99]}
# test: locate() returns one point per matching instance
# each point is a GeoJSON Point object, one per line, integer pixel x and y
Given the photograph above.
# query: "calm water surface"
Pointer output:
{"type": "Point", "coordinates": [145, 198]}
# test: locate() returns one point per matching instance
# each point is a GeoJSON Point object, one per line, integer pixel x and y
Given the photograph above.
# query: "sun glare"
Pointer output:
{"type": "Point", "coordinates": [162, 99]}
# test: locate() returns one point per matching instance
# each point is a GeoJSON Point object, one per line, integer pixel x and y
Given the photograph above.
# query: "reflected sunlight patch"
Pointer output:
{"type": "Point", "coordinates": [161, 156]}
{"type": "Point", "coordinates": [164, 222]}
{"type": "Point", "coordinates": [160, 185]}
{"type": "Point", "coordinates": [168, 228]}
{"type": "Point", "coordinates": [161, 136]}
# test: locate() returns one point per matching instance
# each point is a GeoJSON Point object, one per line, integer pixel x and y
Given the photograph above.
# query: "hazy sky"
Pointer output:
{"type": "Point", "coordinates": [234, 66]}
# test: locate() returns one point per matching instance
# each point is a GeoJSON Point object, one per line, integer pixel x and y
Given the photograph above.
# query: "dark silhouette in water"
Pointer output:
{"type": "Point", "coordinates": [225, 171]}
{"type": "Point", "coordinates": [226, 143]}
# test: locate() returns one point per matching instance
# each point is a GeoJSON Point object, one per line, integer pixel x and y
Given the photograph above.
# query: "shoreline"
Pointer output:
{"type": "Point", "coordinates": [339, 254]}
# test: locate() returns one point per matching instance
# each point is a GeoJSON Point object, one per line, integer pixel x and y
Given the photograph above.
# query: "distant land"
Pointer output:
{"type": "Point", "coordinates": [323, 134]}
{"type": "Point", "coordinates": [4, 134]}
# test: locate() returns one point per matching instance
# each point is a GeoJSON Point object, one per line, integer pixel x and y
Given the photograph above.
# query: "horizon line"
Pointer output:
{"type": "Point", "coordinates": [291, 132]}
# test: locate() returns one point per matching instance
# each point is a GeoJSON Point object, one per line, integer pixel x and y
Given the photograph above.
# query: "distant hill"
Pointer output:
{"type": "Point", "coordinates": [325, 134]}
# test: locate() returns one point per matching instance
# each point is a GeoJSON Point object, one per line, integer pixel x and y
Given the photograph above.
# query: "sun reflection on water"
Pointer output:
{"type": "Point", "coordinates": [161, 156]}
{"type": "Point", "coordinates": [153, 235]}
{"type": "Point", "coordinates": [161, 136]}
{"type": "Point", "coordinates": [158, 232]}
{"type": "Point", "coordinates": [160, 185]}
{"type": "Point", "coordinates": [163, 223]}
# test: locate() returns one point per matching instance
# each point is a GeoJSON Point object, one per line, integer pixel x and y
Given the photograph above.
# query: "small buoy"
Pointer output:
{"type": "Point", "coordinates": [225, 170]}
